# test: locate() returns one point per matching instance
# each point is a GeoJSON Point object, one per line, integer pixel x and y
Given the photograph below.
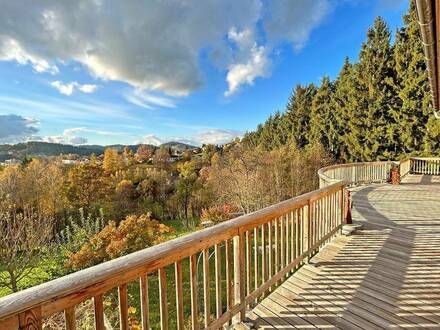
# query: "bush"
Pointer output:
{"type": "Point", "coordinates": [217, 214]}
{"type": "Point", "coordinates": [132, 234]}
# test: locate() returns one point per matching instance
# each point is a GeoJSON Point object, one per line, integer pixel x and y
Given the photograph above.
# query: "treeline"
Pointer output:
{"type": "Point", "coordinates": [377, 108]}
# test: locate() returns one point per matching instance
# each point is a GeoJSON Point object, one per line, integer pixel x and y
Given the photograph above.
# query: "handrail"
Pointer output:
{"type": "Point", "coordinates": [278, 239]}
{"type": "Point", "coordinates": [377, 172]}
{"type": "Point", "coordinates": [425, 165]}
{"type": "Point", "coordinates": [355, 173]}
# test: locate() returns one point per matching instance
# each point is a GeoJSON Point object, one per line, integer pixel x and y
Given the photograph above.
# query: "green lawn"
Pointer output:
{"type": "Point", "coordinates": [37, 276]}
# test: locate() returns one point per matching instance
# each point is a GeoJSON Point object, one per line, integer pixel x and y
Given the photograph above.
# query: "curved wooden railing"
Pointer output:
{"type": "Point", "coordinates": [377, 172]}
{"type": "Point", "coordinates": [355, 173]}
{"type": "Point", "coordinates": [251, 254]}
{"type": "Point", "coordinates": [425, 165]}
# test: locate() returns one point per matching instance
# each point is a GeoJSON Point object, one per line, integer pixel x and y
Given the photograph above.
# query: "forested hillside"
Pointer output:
{"type": "Point", "coordinates": [378, 107]}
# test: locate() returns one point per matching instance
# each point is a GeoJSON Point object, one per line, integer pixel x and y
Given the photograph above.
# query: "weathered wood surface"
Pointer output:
{"type": "Point", "coordinates": [386, 276]}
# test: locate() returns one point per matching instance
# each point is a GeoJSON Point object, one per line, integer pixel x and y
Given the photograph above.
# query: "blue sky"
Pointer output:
{"type": "Point", "coordinates": [149, 72]}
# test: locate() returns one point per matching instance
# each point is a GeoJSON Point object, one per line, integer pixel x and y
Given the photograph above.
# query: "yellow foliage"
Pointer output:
{"type": "Point", "coordinates": [133, 233]}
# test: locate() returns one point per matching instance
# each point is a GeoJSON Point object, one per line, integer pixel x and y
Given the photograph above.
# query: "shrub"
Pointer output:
{"type": "Point", "coordinates": [132, 234]}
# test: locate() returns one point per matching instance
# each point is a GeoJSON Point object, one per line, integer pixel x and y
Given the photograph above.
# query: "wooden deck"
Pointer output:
{"type": "Point", "coordinates": [385, 276]}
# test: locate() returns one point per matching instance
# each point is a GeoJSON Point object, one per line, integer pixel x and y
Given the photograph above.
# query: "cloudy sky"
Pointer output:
{"type": "Point", "coordinates": [104, 72]}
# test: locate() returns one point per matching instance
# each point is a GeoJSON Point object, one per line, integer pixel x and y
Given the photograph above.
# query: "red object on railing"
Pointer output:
{"type": "Point", "coordinates": [347, 213]}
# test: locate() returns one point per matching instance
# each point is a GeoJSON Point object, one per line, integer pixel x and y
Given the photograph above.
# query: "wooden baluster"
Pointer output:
{"type": "Point", "coordinates": [277, 245]}
{"type": "Point", "coordinates": [99, 312]}
{"type": "Point", "coordinates": [283, 240]}
{"type": "Point", "coordinates": [163, 299]}
{"type": "Point", "coordinates": [194, 292]}
{"type": "Point", "coordinates": [299, 232]}
{"type": "Point", "coordinates": [270, 252]}
{"type": "Point", "coordinates": [263, 253]}
{"type": "Point", "coordinates": [206, 287]}
{"type": "Point", "coordinates": [293, 239]}
{"type": "Point", "coordinates": [256, 260]}
{"type": "Point", "coordinates": [287, 240]}
{"type": "Point", "coordinates": [307, 231]}
{"type": "Point", "coordinates": [228, 270]}
{"type": "Point", "coordinates": [248, 262]}
{"type": "Point", "coordinates": [239, 296]}
{"type": "Point", "coordinates": [179, 295]}
{"type": "Point", "coordinates": [218, 280]}
{"type": "Point", "coordinates": [69, 316]}
{"type": "Point", "coordinates": [123, 306]}
{"type": "Point", "coordinates": [325, 222]}
{"type": "Point", "coordinates": [144, 302]}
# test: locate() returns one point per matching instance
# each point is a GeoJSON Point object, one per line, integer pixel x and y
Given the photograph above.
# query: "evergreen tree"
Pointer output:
{"type": "Point", "coordinates": [345, 102]}
{"type": "Point", "coordinates": [413, 86]}
{"type": "Point", "coordinates": [298, 114]}
{"type": "Point", "coordinates": [323, 125]}
{"type": "Point", "coordinates": [372, 134]}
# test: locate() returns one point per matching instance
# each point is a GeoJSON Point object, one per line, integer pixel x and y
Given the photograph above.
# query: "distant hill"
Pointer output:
{"type": "Point", "coordinates": [41, 149]}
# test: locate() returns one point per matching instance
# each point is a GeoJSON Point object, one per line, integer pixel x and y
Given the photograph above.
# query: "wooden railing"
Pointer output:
{"type": "Point", "coordinates": [425, 165]}
{"type": "Point", "coordinates": [355, 173]}
{"type": "Point", "coordinates": [377, 172]}
{"type": "Point", "coordinates": [251, 255]}
{"type": "Point", "coordinates": [405, 167]}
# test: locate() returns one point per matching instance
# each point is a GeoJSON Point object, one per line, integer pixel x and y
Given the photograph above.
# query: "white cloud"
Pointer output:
{"type": "Point", "coordinates": [75, 135]}
{"type": "Point", "coordinates": [66, 89]}
{"type": "Point", "coordinates": [245, 73]}
{"type": "Point", "coordinates": [151, 139]}
{"type": "Point", "coordinates": [76, 130]}
{"type": "Point", "coordinates": [216, 136]}
{"type": "Point", "coordinates": [147, 100]}
{"type": "Point", "coordinates": [293, 21]}
{"type": "Point", "coordinates": [69, 88]}
{"type": "Point", "coordinates": [211, 136]}
{"type": "Point", "coordinates": [61, 139]}
{"type": "Point", "coordinates": [14, 128]}
{"type": "Point", "coordinates": [87, 88]}
{"type": "Point", "coordinates": [11, 50]}
{"type": "Point", "coordinates": [155, 45]}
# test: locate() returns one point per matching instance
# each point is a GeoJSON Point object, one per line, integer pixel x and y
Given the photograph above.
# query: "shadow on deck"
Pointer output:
{"type": "Point", "coordinates": [385, 276]}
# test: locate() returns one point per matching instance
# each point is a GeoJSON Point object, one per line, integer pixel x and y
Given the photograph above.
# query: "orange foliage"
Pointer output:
{"type": "Point", "coordinates": [133, 233]}
{"type": "Point", "coordinates": [217, 213]}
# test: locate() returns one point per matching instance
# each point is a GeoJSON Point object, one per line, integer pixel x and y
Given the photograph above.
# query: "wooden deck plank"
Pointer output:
{"type": "Point", "coordinates": [386, 276]}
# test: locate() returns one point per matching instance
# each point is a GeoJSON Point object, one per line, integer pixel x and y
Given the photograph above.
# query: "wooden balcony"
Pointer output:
{"type": "Point", "coordinates": [285, 266]}
{"type": "Point", "coordinates": [385, 276]}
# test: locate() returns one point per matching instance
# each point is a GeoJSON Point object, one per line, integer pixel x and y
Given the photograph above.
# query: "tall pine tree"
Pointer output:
{"type": "Point", "coordinates": [413, 86]}
{"type": "Point", "coordinates": [372, 134]}
{"type": "Point", "coordinates": [323, 126]}
{"type": "Point", "coordinates": [298, 114]}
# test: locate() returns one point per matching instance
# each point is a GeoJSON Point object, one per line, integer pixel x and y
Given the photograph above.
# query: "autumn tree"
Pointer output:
{"type": "Point", "coordinates": [112, 161]}
{"type": "Point", "coordinates": [144, 153]}
{"type": "Point", "coordinates": [128, 156]}
{"type": "Point", "coordinates": [86, 184]}
{"type": "Point", "coordinates": [134, 233]}
{"type": "Point", "coordinates": [24, 237]}
{"type": "Point", "coordinates": [186, 185]}
{"type": "Point", "coordinates": [162, 157]}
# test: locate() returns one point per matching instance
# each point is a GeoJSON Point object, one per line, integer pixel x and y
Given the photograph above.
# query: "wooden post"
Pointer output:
{"type": "Point", "coordinates": [99, 312]}
{"type": "Point", "coordinates": [239, 296]}
{"type": "Point", "coordinates": [69, 315]}
{"type": "Point", "coordinates": [31, 319]}
{"type": "Point", "coordinates": [347, 215]}
{"type": "Point", "coordinates": [123, 306]}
